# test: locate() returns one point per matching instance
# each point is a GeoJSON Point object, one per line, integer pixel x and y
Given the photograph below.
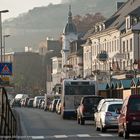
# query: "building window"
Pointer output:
{"type": "Point", "coordinates": [123, 46]}
{"type": "Point", "coordinates": [131, 44]}
{"type": "Point", "coordinates": [115, 45]}
{"type": "Point", "coordinates": [128, 23]}
{"type": "Point", "coordinates": [127, 49]}
{"type": "Point", "coordinates": [123, 64]}
{"type": "Point", "coordinates": [118, 44]}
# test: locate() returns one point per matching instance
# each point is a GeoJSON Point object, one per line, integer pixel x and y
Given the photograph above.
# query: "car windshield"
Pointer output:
{"type": "Point", "coordinates": [134, 104]}
{"type": "Point", "coordinates": [92, 100]}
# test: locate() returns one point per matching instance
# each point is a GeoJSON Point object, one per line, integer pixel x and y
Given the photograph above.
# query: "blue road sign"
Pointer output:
{"type": "Point", "coordinates": [5, 68]}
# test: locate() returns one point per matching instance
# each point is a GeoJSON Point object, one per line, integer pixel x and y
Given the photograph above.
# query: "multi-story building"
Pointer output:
{"type": "Point", "coordinates": [26, 71]}
{"type": "Point", "coordinates": [113, 45]}
{"type": "Point", "coordinates": [56, 73]}
{"type": "Point", "coordinates": [48, 49]}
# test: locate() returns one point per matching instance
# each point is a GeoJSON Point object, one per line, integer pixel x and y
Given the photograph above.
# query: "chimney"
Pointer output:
{"type": "Point", "coordinates": [118, 5]}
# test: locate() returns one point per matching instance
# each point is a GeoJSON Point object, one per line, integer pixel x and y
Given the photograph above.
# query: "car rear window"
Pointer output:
{"type": "Point", "coordinates": [134, 104]}
{"type": "Point", "coordinates": [113, 107]}
{"type": "Point", "coordinates": [92, 101]}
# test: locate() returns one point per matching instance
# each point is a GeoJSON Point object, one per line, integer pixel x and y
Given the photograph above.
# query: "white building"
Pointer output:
{"type": "Point", "coordinates": [116, 39]}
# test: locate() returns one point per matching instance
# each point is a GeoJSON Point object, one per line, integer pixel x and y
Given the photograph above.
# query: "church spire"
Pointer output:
{"type": "Point", "coordinates": [70, 26]}
{"type": "Point", "coordinates": [70, 15]}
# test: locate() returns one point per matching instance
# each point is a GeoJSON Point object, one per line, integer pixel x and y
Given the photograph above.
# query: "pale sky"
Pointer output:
{"type": "Point", "coordinates": [17, 7]}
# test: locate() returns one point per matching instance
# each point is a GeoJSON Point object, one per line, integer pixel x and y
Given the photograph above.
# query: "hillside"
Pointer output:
{"type": "Point", "coordinates": [28, 29]}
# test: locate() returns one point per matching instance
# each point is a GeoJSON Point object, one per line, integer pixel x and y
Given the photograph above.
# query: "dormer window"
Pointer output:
{"type": "Point", "coordinates": [103, 25]}
{"type": "Point", "coordinates": [134, 20]}
{"type": "Point", "coordinates": [96, 29]}
{"type": "Point", "coordinates": [100, 27]}
{"type": "Point", "coordinates": [128, 22]}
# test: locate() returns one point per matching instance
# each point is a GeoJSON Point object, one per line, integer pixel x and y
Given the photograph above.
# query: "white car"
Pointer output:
{"type": "Point", "coordinates": [36, 100]}
{"type": "Point", "coordinates": [107, 100]}
{"type": "Point", "coordinates": [106, 117]}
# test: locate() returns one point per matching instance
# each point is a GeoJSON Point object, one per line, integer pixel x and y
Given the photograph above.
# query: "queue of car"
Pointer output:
{"type": "Point", "coordinates": [107, 113]}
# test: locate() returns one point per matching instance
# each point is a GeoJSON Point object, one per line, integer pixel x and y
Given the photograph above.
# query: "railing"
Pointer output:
{"type": "Point", "coordinates": [7, 119]}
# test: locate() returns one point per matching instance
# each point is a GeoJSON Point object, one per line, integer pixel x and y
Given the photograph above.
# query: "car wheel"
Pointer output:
{"type": "Point", "coordinates": [125, 134]}
{"type": "Point", "coordinates": [63, 115]}
{"type": "Point", "coordinates": [120, 134]}
{"type": "Point", "coordinates": [78, 120]}
{"type": "Point", "coordinates": [103, 129]}
{"type": "Point", "coordinates": [82, 121]}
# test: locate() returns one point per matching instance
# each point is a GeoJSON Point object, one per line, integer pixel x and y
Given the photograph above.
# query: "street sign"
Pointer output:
{"type": "Point", "coordinates": [5, 78]}
{"type": "Point", "coordinates": [5, 68]}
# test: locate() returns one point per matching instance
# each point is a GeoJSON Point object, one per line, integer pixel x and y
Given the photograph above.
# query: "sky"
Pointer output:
{"type": "Point", "coordinates": [17, 7]}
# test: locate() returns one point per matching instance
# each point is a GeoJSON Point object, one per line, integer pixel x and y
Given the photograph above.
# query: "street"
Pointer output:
{"type": "Point", "coordinates": [38, 124]}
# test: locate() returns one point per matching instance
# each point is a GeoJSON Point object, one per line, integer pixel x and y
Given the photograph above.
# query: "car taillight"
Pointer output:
{"type": "Point", "coordinates": [108, 114]}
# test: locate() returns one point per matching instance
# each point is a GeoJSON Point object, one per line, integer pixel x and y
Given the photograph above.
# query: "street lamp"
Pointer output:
{"type": "Point", "coordinates": [4, 44]}
{"type": "Point", "coordinates": [3, 11]}
{"type": "Point", "coordinates": [135, 67]}
{"type": "Point", "coordinates": [111, 72]}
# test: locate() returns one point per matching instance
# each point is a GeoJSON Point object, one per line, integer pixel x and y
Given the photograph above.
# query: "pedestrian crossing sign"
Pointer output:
{"type": "Point", "coordinates": [5, 68]}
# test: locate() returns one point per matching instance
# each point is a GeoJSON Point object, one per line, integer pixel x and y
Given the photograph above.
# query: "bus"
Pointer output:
{"type": "Point", "coordinates": [72, 92]}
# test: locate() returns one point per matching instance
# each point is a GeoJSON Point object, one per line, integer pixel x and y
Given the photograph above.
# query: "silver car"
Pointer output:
{"type": "Point", "coordinates": [106, 118]}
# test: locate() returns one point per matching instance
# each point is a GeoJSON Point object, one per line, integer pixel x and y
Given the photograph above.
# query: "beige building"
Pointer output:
{"type": "Point", "coordinates": [56, 71]}
{"type": "Point", "coordinates": [113, 45]}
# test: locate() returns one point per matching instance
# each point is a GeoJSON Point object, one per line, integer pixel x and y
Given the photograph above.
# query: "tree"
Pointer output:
{"type": "Point", "coordinates": [86, 22]}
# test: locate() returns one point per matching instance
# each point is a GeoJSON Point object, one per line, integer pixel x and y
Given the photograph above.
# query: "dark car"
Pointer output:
{"type": "Point", "coordinates": [30, 102]}
{"type": "Point", "coordinates": [129, 118]}
{"type": "Point", "coordinates": [87, 108]}
{"type": "Point", "coordinates": [15, 103]}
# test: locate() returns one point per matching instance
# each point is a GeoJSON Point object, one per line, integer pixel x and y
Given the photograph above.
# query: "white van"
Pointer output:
{"type": "Point", "coordinates": [36, 100]}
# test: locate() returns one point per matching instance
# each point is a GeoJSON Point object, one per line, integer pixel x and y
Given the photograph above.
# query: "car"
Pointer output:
{"type": "Point", "coordinates": [42, 104]}
{"type": "Point", "coordinates": [53, 105]}
{"type": "Point", "coordinates": [36, 100]}
{"type": "Point", "coordinates": [107, 116]}
{"type": "Point", "coordinates": [57, 106]}
{"type": "Point", "coordinates": [107, 100]}
{"type": "Point", "coordinates": [30, 102]}
{"type": "Point", "coordinates": [39, 103]}
{"type": "Point", "coordinates": [15, 103]}
{"type": "Point", "coordinates": [101, 104]}
{"type": "Point", "coordinates": [129, 118]}
{"type": "Point", "coordinates": [87, 107]}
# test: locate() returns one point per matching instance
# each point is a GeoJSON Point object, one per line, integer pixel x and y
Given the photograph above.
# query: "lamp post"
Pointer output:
{"type": "Point", "coordinates": [135, 67]}
{"type": "Point", "coordinates": [3, 11]}
{"type": "Point", "coordinates": [111, 72]}
{"type": "Point", "coordinates": [4, 44]}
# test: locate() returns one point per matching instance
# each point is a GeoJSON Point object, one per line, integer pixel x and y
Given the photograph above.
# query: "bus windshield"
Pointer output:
{"type": "Point", "coordinates": [80, 90]}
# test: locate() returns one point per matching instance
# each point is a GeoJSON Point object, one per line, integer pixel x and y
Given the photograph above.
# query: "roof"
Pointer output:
{"type": "Point", "coordinates": [135, 12]}
{"type": "Point", "coordinates": [136, 27]}
{"type": "Point", "coordinates": [130, 7]}
{"type": "Point", "coordinates": [103, 86]}
{"type": "Point", "coordinates": [70, 26]}
{"type": "Point", "coordinates": [117, 20]}
{"type": "Point", "coordinates": [135, 81]}
{"type": "Point", "coordinates": [126, 84]}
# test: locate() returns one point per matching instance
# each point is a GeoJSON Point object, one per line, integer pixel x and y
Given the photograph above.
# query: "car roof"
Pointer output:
{"type": "Point", "coordinates": [111, 99]}
{"type": "Point", "coordinates": [88, 96]}
{"type": "Point", "coordinates": [114, 102]}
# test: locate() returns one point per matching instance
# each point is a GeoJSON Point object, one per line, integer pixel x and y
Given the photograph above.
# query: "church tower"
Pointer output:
{"type": "Point", "coordinates": [69, 35]}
